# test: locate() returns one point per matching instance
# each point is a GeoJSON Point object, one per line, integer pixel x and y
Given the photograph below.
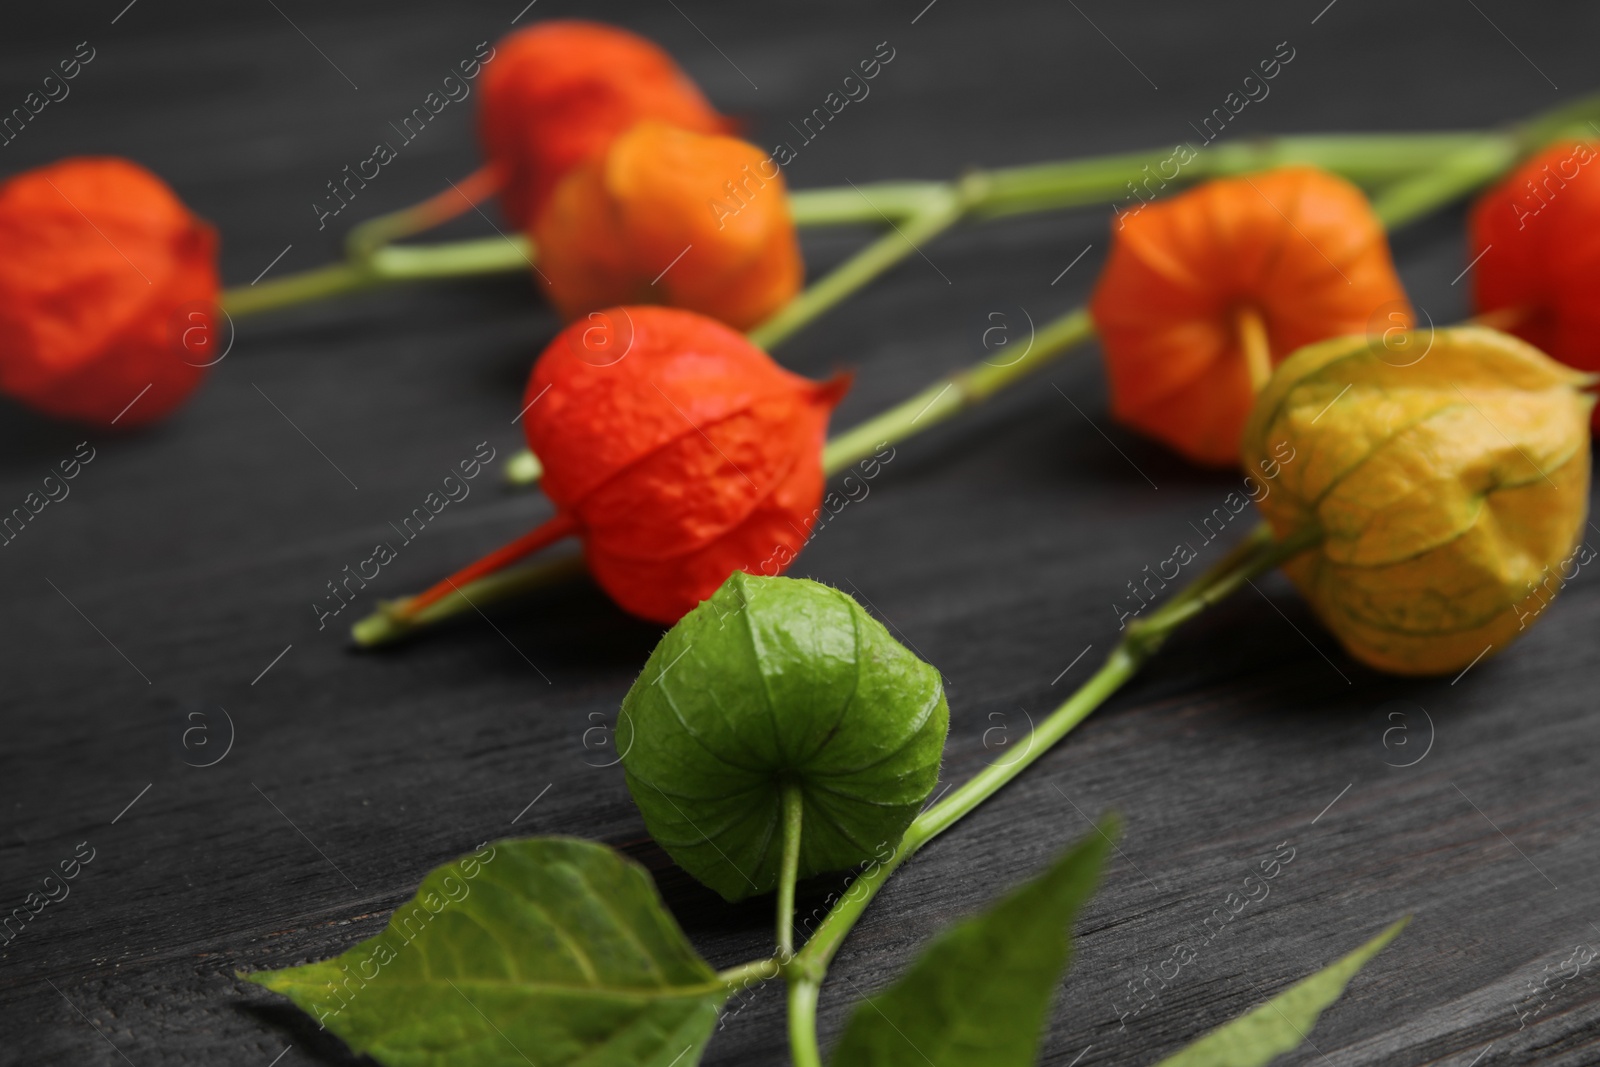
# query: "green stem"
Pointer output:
{"type": "Point", "coordinates": [1575, 119]}
{"type": "Point", "coordinates": [788, 872]}
{"type": "Point", "coordinates": [1140, 640]}
{"type": "Point", "coordinates": [942, 208]}
{"type": "Point", "coordinates": [367, 237]}
{"type": "Point", "coordinates": [1476, 164]}
{"type": "Point", "coordinates": [857, 205]}
{"type": "Point", "coordinates": [812, 207]}
{"type": "Point", "coordinates": [482, 255]}
{"type": "Point", "coordinates": [389, 623]}
{"type": "Point", "coordinates": [749, 973]}
{"type": "Point", "coordinates": [317, 284]}
{"type": "Point", "coordinates": [1371, 159]}
{"type": "Point", "coordinates": [803, 1048]}
{"type": "Point", "coordinates": [1368, 159]}
{"type": "Point", "coordinates": [955, 393]}
{"type": "Point", "coordinates": [1240, 554]}
{"type": "Point", "coordinates": [392, 263]}
{"type": "Point", "coordinates": [1454, 177]}
{"type": "Point", "coordinates": [373, 263]}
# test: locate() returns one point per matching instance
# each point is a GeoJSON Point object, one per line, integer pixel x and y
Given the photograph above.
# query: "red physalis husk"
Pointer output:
{"type": "Point", "coordinates": [108, 290]}
{"type": "Point", "coordinates": [560, 92]}
{"type": "Point", "coordinates": [1295, 255]}
{"type": "Point", "coordinates": [1536, 253]}
{"type": "Point", "coordinates": [676, 450]}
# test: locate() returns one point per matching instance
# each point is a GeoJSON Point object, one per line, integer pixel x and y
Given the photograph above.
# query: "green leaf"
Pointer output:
{"type": "Point", "coordinates": [1283, 1022]}
{"type": "Point", "coordinates": [980, 994]}
{"type": "Point", "coordinates": [776, 681]}
{"type": "Point", "coordinates": [549, 951]}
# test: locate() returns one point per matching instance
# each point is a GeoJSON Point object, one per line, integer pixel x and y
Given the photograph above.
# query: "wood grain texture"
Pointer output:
{"type": "Point", "coordinates": [995, 546]}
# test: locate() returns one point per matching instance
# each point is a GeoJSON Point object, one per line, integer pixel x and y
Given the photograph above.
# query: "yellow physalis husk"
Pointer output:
{"type": "Point", "coordinates": [1449, 488]}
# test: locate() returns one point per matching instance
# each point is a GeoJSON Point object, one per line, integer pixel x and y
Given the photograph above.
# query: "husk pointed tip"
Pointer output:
{"type": "Point", "coordinates": [384, 626]}
{"type": "Point", "coordinates": [830, 392]}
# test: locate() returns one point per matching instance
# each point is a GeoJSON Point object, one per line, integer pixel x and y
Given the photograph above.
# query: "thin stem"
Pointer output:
{"type": "Point", "coordinates": [374, 262]}
{"type": "Point", "coordinates": [488, 255]}
{"type": "Point", "coordinates": [942, 207]}
{"type": "Point", "coordinates": [955, 393]}
{"type": "Point", "coordinates": [1008, 191]}
{"type": "Point", "coordinates": [819, 207]}
{"type": "Point", "coordinates": [460, 259]}
{"type": "Point", "coordinates": [803, 1022]}
{"type": "Point", "coordinates": [1363, 158]}
{"type": "Point", "coordinates": [1476, 164]}
{"type": "Point", "coordinates": [1140, 640]}
{"type": "Point", "coordinates": [1574, 119]}
{"type": "Point", "coordinates": [858, 205]}
{"type": "Point", "coordinates": [391, 622]}
{"type": "Point", "coordinates": [804, 987]}
{"type": "Point", "coordinates": [1368, 159]}
{"type": "Point", "coordinates": [793, 807]}
{"type": "Point", "coordinates": [1454, 177]}
{"type": "Point", "coordinates": [749, 973]}
{"type": "Point", "coordinates": [1266, 553]}
{"type": "Point", "coordinates": [317, 284]}
{"type": "Point", "coordinates": [367, 237]}
{"type": "Point", "coordinates": [1240, 554]}
{"type": "Point", "coordinates": [541, 536]}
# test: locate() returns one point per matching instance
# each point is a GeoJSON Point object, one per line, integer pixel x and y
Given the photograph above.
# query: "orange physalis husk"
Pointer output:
{"type": "Point", "coordinates": [1292, 256]}
{"type": "Point", "coordinates": [108, 292]}
{"type": "Point", "coordinates": [676, 450]}
{"type": "Point", "coordinates": [1449, 489]}
{"type": "Point", "coordinates": [654, 221]}
{"type": "Point", "coordinates": [1535, 242]}
{"type": "Point", "coordinates": [559, 92]}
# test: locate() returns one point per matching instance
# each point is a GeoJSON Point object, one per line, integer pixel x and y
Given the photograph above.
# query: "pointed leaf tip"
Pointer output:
{"type": "Point", "coordinates": [937, 1013]}
{"type": "Point", "coordinates": [1282, 1023]}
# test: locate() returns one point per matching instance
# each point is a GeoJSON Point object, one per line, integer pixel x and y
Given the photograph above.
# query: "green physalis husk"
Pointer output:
{"type": "Point", "coordinates": [776, 682]}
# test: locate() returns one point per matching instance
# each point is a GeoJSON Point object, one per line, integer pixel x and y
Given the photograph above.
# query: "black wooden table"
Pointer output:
{"type": "Point", "coordinates": [172, 590]}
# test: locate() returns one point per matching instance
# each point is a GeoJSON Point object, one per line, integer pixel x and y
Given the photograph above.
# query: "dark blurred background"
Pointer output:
{"type": "Point", "coordinates": [157, 596]}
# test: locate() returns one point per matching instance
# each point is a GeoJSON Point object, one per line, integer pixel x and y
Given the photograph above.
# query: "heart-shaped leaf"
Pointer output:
{"type": "Point", "coordinates": [979, 995]}
{"type": "Point", "coordinates": [547, 951]}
